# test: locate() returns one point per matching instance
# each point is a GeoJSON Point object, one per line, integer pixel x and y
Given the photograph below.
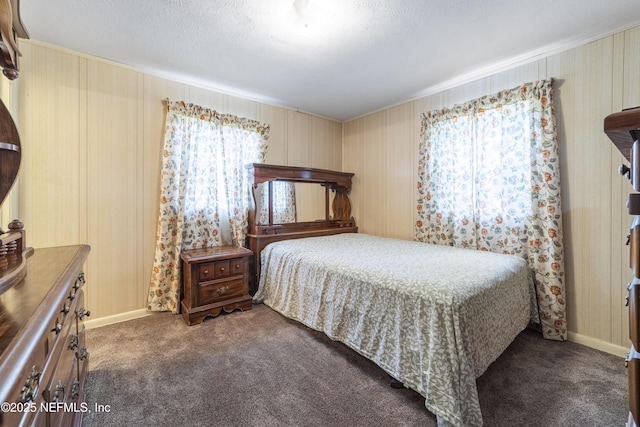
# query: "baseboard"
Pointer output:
{"type": "Point", "coordinates": [607, 347]}
{"type": "Point", "coordinates": [116, 318]}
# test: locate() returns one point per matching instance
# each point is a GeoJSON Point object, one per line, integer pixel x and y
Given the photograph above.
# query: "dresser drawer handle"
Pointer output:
{"type": "Point", "coordinates": [29, 391]}
{"type": "Point", "coordinates": [206, 272]}
{"type": "Point", "coordinates": [79, 281]}
{"type": "Point", "coordinates": [221, 268]}
{"type": "Point", "coordinates": [222, 290]}
{"type": "Point", "coordinates": [57, 329]}
{"type": "Point", "coordinates": [237, 265]}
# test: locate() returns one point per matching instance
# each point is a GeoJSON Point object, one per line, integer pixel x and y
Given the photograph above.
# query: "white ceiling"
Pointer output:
{"type": "Point", "coordinates": [371, 54]}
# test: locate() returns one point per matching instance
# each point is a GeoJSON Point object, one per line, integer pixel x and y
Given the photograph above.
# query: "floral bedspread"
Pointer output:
{"type": "Point", "coordinates": [434, 317]}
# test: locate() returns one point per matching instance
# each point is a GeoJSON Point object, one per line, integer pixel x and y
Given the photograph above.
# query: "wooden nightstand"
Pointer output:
{"type": "Point", "coordinates": [214, 279]}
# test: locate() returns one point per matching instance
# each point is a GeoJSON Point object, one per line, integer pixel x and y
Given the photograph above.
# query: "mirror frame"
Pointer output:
{"type": "Point", "coordinates": [338, 182]}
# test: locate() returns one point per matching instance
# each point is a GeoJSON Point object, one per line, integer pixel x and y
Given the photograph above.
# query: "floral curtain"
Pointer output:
{"type": "Point", "coordinates": [284, 203]}
{"type": "Point", "coordinates": [204, 190]}
{"type": "Point", "coordinates": [489, 179]}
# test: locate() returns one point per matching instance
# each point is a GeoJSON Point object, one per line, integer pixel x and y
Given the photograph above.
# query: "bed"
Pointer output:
{"type": "Point", "coordinates": [433, 317]}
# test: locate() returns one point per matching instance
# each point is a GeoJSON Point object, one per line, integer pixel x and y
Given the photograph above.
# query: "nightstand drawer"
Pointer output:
{"type": "Point", "coordinates": [210, 292]}
{"type": "Point", "coordinates": [214, 270]}
{"type": "Point", "coordinates": [634, 387]}
{"type": "Point", "coordinates": [236, 266]}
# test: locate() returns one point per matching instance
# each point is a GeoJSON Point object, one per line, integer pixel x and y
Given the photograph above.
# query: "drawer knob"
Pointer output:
{"type": "Point", "coordinates": [73, 343]}
{"type": "Point", "coordinates": [626, 361]}
{"type": "Point", "coordinates": [58, 396]}
{"type": "Point", "coordinates": [65, 309]}
{"type": "Point", "coordinates": [222, 290]}
{"type": "Point", "coordinates": [624, 170]}
{"type": "Point", "coordinates": [221, 268]}
{"type": "Point", "coordinates": [58, 328]}
{"type": "Point", "coordinates": [75, 389]}
{"type": "Point", "coordinates": [82, 313]}
{"type": "Point", "coordinates": [82, 354]}
{"type": "Point", "coordinates": [237, 265]}
{"type": "Point", "coordinates": [206, 272]}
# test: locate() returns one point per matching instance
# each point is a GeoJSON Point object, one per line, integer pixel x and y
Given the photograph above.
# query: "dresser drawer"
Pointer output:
{"type": "Point", "coordinates": [64, 318]}
{"type": "Point", "coordinates": [634, 312]}
{"type": "Point", "coordinates": [24, 414]}
{"type": "Point", "coordinates": [26, 393]}
{"type": "Point", "coordinates": [236, 266]}
{"type": "Point", "coordinates": [82, 356]}
{"type": "Point", "coordinates": [210, 292]}
{"type": "Point", "coordinates": [634, 387]}
{"type": "Point", "coordinates": [24, 388]}
{"type": "Point", "coordinates": [214, 270]}
{"type": "Point", "coordinates": [634, 249]}
{"type": "Point", "coordinates": [62, 394]}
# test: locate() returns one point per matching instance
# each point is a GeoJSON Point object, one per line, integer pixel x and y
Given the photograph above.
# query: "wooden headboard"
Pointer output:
{"type": "Point", "coordinates": [261, 234]}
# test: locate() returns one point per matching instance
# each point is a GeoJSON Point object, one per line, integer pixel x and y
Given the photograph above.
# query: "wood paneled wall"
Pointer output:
{"type": "Point", "coordinates": [92, 135]}
{"type": "Point", "coordinates": [592, 81]}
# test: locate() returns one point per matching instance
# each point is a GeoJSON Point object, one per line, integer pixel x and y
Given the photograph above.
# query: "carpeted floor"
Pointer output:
{"type": "Point", "coordinates": [258, 368]}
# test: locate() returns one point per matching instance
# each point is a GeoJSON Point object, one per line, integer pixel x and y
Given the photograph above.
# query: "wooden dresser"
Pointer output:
{"type": "Point", "coordinates": [623, 129]}
{"type": "Point", "coordinates": [43, 359]}
{"type": "Point", "coordinates": [214, 279]}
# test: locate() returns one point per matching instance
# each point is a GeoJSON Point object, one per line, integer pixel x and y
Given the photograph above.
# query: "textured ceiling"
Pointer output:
{"type": "Point", "coordinates": [370, 54]}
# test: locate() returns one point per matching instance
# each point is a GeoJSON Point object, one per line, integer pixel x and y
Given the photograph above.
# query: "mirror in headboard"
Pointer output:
{"type": "Point", "coordinates": [291, 202]}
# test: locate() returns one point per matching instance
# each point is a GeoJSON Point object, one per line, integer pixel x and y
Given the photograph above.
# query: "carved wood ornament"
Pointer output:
{"type": "Point", "coordinates": [13, 249]}
{"type": "Point", "coordinates": [11, 28]}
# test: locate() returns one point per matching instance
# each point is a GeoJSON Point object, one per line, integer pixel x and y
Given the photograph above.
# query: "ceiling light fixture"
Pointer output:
{"type": "Point", "coordinates": [309, 16]}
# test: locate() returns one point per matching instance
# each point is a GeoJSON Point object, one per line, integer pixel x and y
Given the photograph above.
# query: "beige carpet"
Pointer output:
{"type": "Point", "coordinates": [258, 368]}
